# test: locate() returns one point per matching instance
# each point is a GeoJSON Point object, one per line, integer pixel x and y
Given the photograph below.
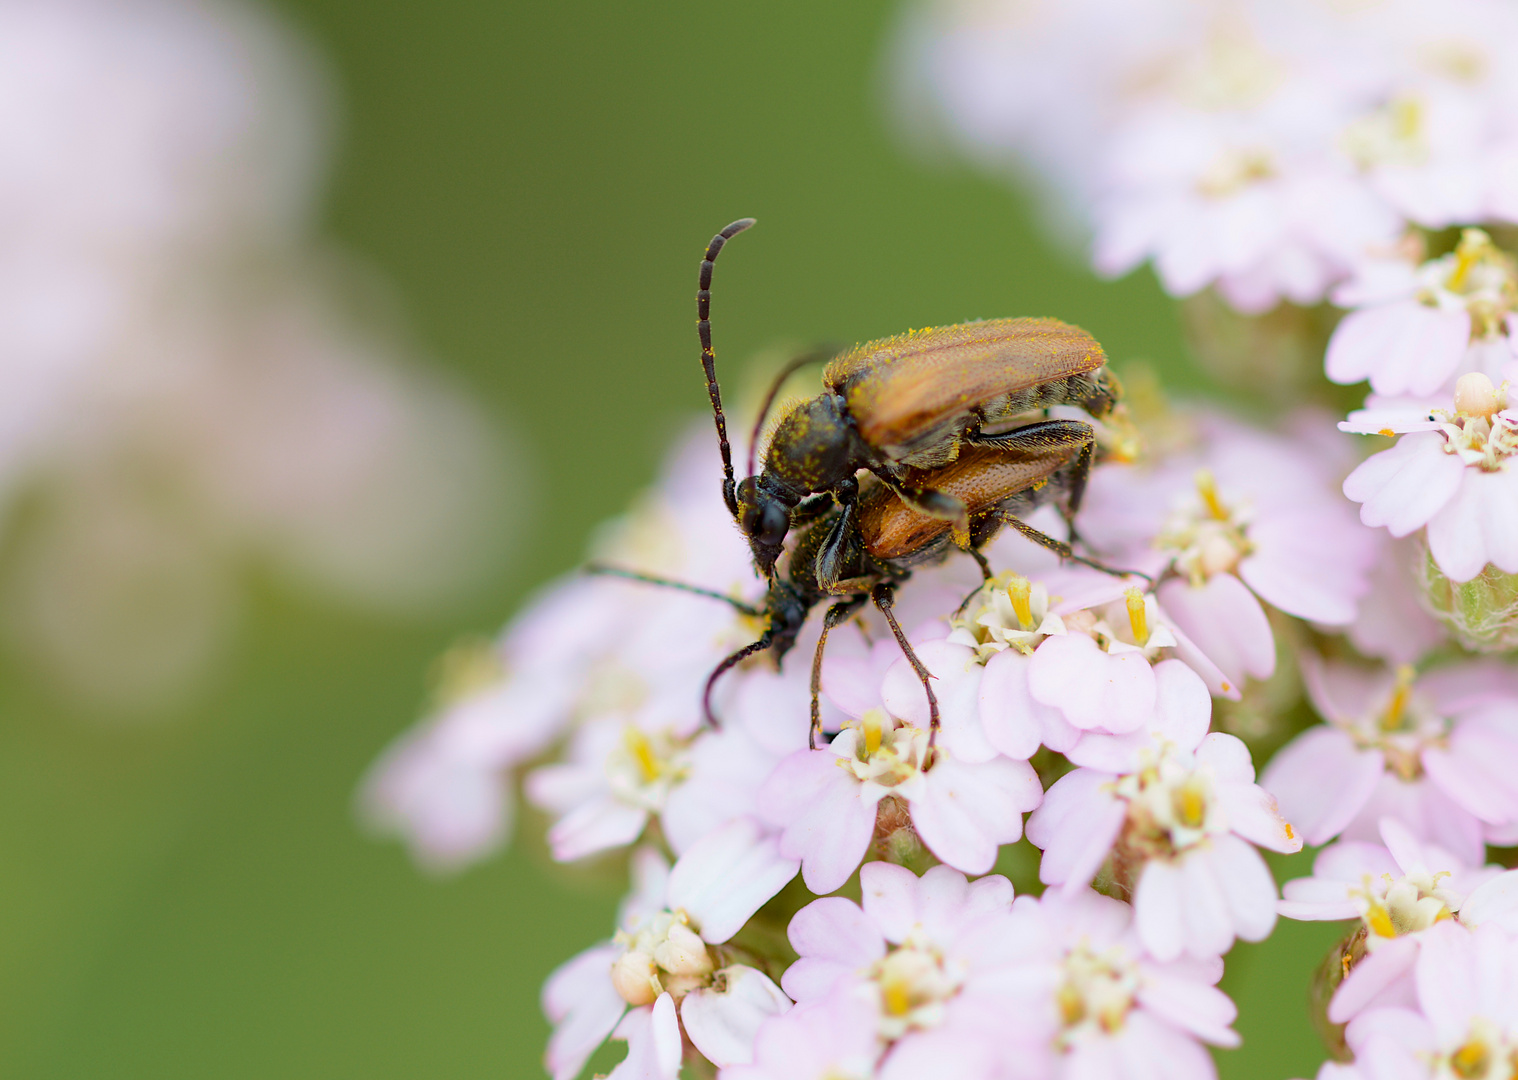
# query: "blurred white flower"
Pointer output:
{"type": "Point", "coordinates": [188, 383]}
{"type": "Point", "coordinates": [1260, 146]}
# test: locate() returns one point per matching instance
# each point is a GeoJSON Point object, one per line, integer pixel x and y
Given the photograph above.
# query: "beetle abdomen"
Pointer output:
{"type": "Point", "coordinates": [983, 479]}
{"type": "Point", "coordinates": [923, 386]}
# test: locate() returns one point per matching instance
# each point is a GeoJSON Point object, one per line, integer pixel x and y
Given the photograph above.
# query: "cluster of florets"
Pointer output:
{"type": "Point", "coordinates": [1259, 146]}
{"type": "Point", "coordinates": [1108, 720]}
{"type": "Point", "coordinates": [1076, 706]}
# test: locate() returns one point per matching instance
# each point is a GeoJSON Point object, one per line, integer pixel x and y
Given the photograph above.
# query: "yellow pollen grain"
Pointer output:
{"type": "Point", "coordinates": [643, 753]}
{"type": "Point", "coordinates": [898, 1000]}
{"type": "Point", "coordinates": [1020, 592]}
{"type": "Point", "coordinates": [1207, 488]}
{"type": "Point", "coordinates": [1388, 432]}
{"type": "Point", "coordinates": [1138, 618]}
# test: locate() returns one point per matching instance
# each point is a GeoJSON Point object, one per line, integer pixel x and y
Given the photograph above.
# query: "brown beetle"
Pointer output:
{"type": "Point", "coordinates": [899, 407]}
{"type": "Point", "coordinates": [888, 538]}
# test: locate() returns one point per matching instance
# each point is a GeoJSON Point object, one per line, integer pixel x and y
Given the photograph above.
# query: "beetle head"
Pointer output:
{"type": "Point", "coordinates": [764, 515]}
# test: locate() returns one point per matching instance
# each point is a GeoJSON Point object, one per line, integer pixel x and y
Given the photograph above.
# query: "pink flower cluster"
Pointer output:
{"type": "Point", "coordinates": [1261, 147]}
{"type": "Point", "coordinates": [596, 692]}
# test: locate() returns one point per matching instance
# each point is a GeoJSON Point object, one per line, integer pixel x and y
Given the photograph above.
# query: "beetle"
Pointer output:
{"type": "Point", "coordinates": [899, 408]}
{"type": "Point", "coordinates": [888, 537]}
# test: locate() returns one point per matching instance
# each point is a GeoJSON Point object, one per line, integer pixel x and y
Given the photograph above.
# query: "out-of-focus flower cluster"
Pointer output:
{"type": "Point", "coordinates": [1259, 146]}
{"type": "Point", "coordinates": [192, 381]}
{"type": "Point", "coordinates": [1251, 613]}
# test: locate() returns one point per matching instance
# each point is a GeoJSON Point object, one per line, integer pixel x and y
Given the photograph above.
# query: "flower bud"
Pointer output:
{"type": "Point", "coordinates": [683, 953]}
{"type": "Point", "coordinates": [1476, 396]}
{"type": "Point", "coordinates": [636, 978]}
{"type": "Point", "coordinates": [1482, 613]}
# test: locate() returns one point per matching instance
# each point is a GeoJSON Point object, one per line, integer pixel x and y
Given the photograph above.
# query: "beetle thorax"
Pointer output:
{"type": "Point", "coordinates": [814, 448]}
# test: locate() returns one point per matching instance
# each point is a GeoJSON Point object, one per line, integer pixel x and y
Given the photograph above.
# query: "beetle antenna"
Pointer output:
{"type": "Point", "coordinates": [795, 365]}
{"type": "Point", "coordinates": [709, 359]}
{"type": "Point", "coordinates": [602, 570]}
{"type": "Point", "coordinates": [765, 641]}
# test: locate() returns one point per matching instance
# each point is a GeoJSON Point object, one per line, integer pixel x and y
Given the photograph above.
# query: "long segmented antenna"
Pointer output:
{"type": "Point", "coordinates": [709, 359]}
{"type": "Point", "coordinates": [795, 365]}
{"type": "Point", "coordinates": [602, 570]}
{"type": "Point", "coordinates": [764, 642]}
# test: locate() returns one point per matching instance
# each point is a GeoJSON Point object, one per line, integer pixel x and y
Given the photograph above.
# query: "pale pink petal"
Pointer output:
{"type": "Point", "coordinates": [1160, 909]}
{"type": "Point", "coordinates": [596, 826]}
{"type": "Point", "coordinates": [653, 1043]}
{"type": "Point", "coordinates": [1014, 722]}
{"type": "Point", "coordinates": [1494, 901]}
{"type": "Point", "coordinates": [941, 1052]}
{"type": "Point", "coordinates": [1228, 757]}
{"type": "Point", "coordinates": [1312, 565]}
{"type": "Point", "coordinates": [827, 823]}
{"type": "Point", "coordinates": [722, 1025]}
{"type": "Point", "coordinates": [1203, 1010]}
{"type": "Point", "coordinates": [584, 1007]}
{"type": "Point", "coordinates": [1445, 979]}
{"type": "Point", "coordinates": [1457, 537]}
{"type": "Point", "coordinates": [1076, 827]}
{"type": "Point", "coordinates": [832, 1037]}
{"type": "Point", "coordinates": [1321, 780]}
{"type": "Point", "coordinates": [1182, 713]}
{"type": "Point", "coordinates": [1402, 347]}
{"type": "Point", "coordinates": [1151, 1050]}
{"type": "Point", "coordinates": [1371, 976]}
{"type": "Point", "coordinates": [1226, 620]}
{"type": "Point", "coordinates": [1405, 487]}
{"type": "Point", "coordinates": [1092, 688]}
{"type": "Point", "coordinates": [1204, 903]}
{"type": "Point", "coordinates": [964, 812]}
{"type": "Point", "coordinates": [956, 684]}
{"type": "Point", "coordinates": [727, 876]}
{"type": "Point", "coordinates": [1248, 887]}
{"type": "Point", "coordinates": [890, 896]}
{"type": "Point", "coordinates": [833, 937]}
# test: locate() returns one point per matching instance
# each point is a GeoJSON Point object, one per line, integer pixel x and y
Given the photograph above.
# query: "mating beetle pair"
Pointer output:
{"type": "Point", "coordinates": [918, 413]}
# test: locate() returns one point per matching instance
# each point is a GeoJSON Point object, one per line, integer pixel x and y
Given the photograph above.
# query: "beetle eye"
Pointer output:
{"type": "Point", "coordinates": [774, 523]}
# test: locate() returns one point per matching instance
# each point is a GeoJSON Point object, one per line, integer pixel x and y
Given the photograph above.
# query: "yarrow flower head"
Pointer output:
{"type": "Point", "coordinates": [826, 802]}
{"type": "Point", "coordinates": [666, 957]}
{"type": "Point", "coordinates": [1416, 328]}
{"type": "Point", "coordinates": [1451, 472]}
{"type": "Point", "coordinates": [1172, 812]}
{"type": "Point", "coordinates": [1426, 750]}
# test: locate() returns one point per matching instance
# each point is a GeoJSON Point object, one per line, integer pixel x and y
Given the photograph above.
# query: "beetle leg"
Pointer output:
{"type": "Point", "coordinates": [936, 504]}
{"type": "Point", "coordinates": [1062, 549]}
{"type": "Point", "coordinates": [1037, 439]}
{"type": "Point", "coordinates": [839, 561]}
{"type": "Point", "coordinates": [835, 615]}
{"type": "Point", "coordinates": [884, 596]}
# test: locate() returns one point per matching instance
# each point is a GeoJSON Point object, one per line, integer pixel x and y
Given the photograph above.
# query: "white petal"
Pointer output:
{"type": "Point", "coordinates": [653, 1043]}
{"type": "Point", "coordinates": [1321, 780]}
{"type": "Point", "coordinates": [727, 876]}
{"type": "Point", "coordinates": [832, 937]}
{"type": "Point", "coordinates": [1405, 487]}
{"type": "Point", "coordinates": [596, 826]}
{"type": "Point", "coordinates": [956, 685]}
{"type": "Point", "coordinates": [966, 811]}
{"type": "Point", "coordinates": [1076, 827]}
{"type": "Point", "coordinates": [1226, 621]}
{"type": "Point", "coordinates": [1192, 1006]}
{"type": "Point", "coordinates": [1371, 976]}
{"type": "Point", "coordinates": [1248, 887]}
{"type": "Point", "coordinates": [722, 1025]}
{"type": "Point", "coordinates": [584, 1006]}
{"type": "Point", "coordinates": [1157, 910]}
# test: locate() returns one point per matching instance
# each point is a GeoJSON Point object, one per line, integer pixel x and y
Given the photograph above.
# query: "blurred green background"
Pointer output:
{"type": "Point", "coordinates": [193, 898]}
